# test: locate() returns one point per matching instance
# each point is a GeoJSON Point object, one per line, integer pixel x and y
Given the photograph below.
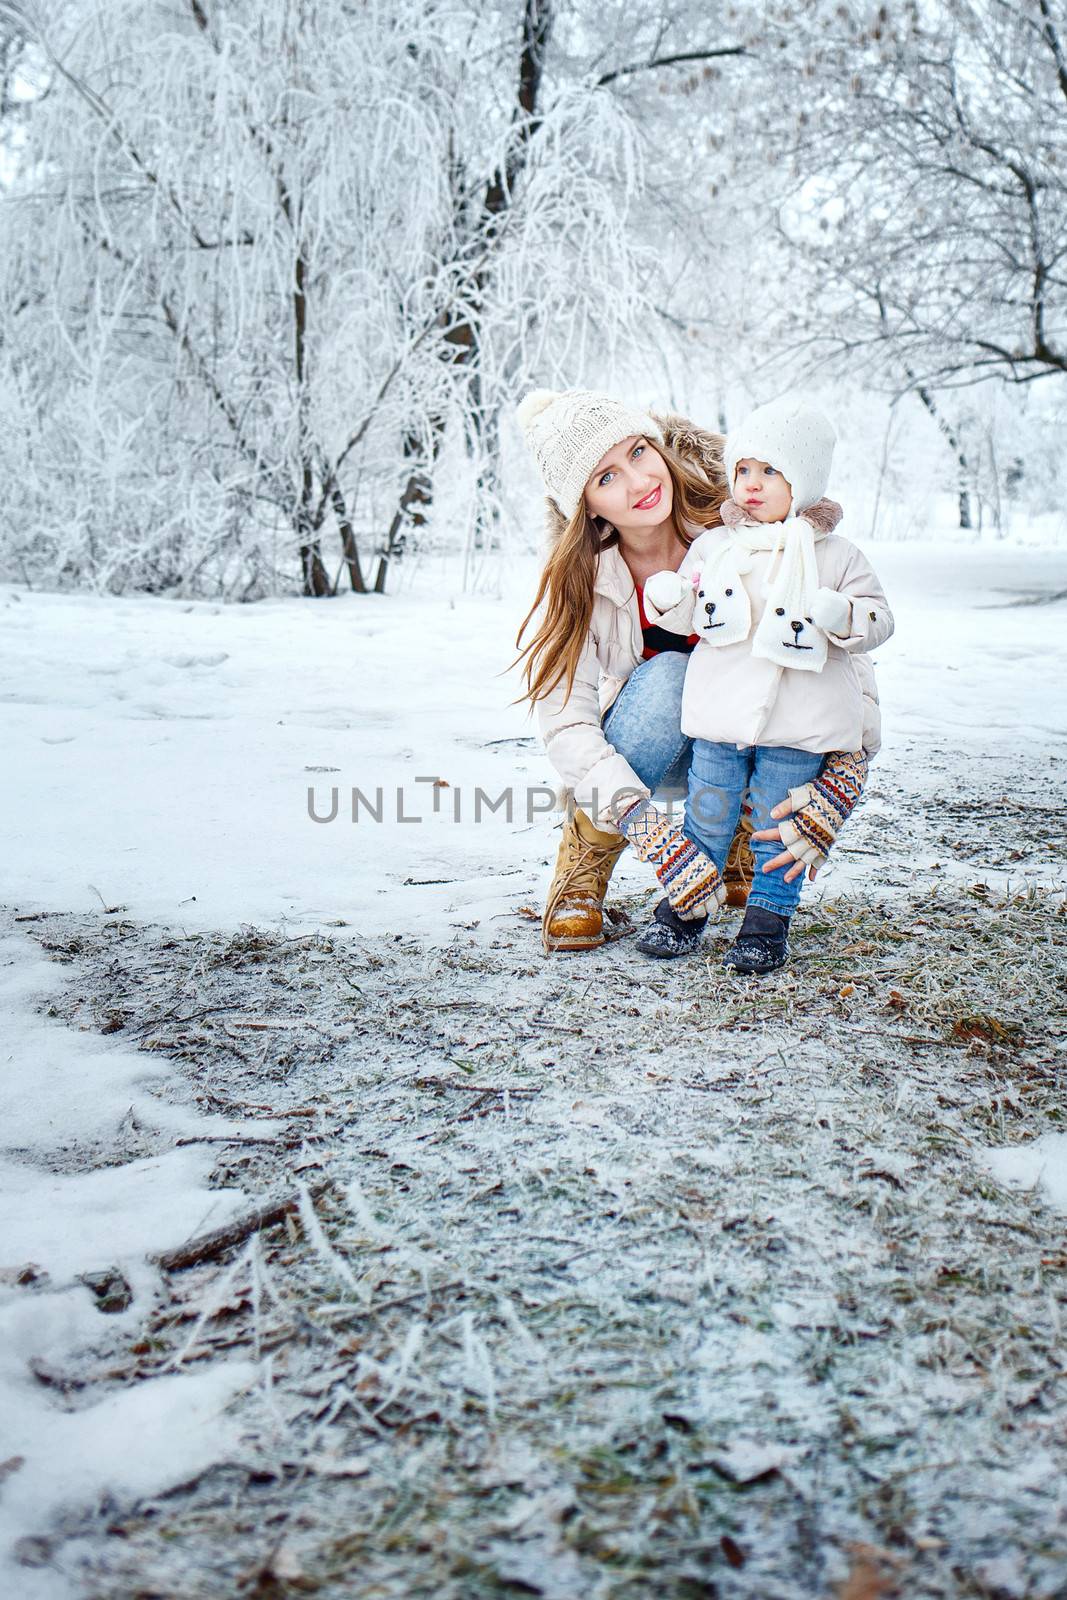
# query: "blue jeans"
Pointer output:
{"type": "Point", "coordinates": [720, 777]}
{"type": "Point", "coordinates": [645, 722]}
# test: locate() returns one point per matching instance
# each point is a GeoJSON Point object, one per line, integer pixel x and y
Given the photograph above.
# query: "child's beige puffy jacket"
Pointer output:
{"type": "Point", "coordinates": [734, 697]}
{"type": "Point", "coordinates": [587, 763]}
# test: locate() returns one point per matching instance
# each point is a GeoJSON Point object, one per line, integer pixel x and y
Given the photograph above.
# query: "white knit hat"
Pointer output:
{"type": "Point", "coordinates": [568, 432]}
{"type": "Point", "coordinates": [791, 435]}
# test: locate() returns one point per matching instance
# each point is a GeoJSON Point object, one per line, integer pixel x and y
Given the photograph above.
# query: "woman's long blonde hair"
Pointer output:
{"type": "Point", "coordinates": [566, 587]}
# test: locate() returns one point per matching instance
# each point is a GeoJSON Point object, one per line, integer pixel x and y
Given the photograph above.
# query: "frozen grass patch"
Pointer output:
{"type": "Point", "coordinates": [608, 1278]}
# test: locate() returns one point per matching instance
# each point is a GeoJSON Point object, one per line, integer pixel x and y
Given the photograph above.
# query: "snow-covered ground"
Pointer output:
{"type": "Point", "coordinates": [156, 812]}
{"type": "Point", "coordinates": [162, 754]}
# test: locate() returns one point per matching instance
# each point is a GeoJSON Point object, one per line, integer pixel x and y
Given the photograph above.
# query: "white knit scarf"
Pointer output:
{"type": "Point", "coordinates": [785, 634]}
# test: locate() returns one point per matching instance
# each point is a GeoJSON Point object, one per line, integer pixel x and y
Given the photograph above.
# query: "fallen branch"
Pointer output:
{"type": "Point", "coordinates": [474, 1088]}
{"type": "Point", "coordinates": [237, 1138]}
{"type": "Point", "coordinates": [426, 1296]}
{"type": "Point", "coordinates": [247, 1108]}
{"type": "Point", "coordinates": [169, 1019]}
{"type": "Point", "coordinates": [206, 1246]}
{"type": "Point", "coordinates": [285, 1022]}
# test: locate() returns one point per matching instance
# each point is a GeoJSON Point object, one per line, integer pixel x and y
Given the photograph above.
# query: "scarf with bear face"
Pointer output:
{"type": "Point", "coordinates": [785, 634]}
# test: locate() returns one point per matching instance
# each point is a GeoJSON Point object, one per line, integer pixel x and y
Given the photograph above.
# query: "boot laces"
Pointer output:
{"type": "Point", "coordinates": [587, 869]}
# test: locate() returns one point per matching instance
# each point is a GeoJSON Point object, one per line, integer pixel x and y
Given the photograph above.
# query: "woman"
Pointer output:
{"type": "Point", "coordinates": [626, 494]}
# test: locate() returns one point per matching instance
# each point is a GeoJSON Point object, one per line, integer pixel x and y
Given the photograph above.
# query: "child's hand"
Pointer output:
{"type": "Point", "coordinates": [808, 821]}
{"type": "Point", "coordinates": [787, 858]}
{"type": "Point", "coordinates": [665, 590]}
{"type": "Point", "coordinates": [832, 612]}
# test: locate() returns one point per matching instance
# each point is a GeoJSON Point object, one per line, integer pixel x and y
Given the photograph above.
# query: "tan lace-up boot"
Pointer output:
{"type": "Point", "coordinates": [574, 911]}
{"type": "Point", "coordinates": [740, 867]}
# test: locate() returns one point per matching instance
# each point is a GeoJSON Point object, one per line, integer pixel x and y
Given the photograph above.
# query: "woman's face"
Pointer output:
{"type": "Point", "coordinates": [630, 486]}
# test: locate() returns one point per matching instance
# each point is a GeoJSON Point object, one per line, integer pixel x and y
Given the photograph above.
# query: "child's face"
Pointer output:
{"type": "Point", "coordinates": [761, 490]}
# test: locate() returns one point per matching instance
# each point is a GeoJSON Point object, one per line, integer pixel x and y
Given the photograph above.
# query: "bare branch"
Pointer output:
{"type": "Point", "coordinates": [724, 52]}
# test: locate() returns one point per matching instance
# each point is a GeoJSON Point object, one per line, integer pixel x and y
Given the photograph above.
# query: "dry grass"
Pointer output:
{"type": "Point", "coordinates": [630, 1279]}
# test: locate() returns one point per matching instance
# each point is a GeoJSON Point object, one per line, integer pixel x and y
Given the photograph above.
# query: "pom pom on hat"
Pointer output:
{"type": "Point", "coordinates": [533, 404]}
{"type": "Point", "coordinates": [568, 431]}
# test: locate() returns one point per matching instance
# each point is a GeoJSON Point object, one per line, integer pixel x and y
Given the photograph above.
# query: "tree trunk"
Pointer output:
{"type": "Point", "coordinates": [411, 509]}
{"type": "Point", "coordinates": [465, 336]}
{"type": "Point", "coordinates": [348, 542]}
{"type": "Point", "coordinates": [316, 578]}
{"type": "Point", "coordinates": [952, 440]}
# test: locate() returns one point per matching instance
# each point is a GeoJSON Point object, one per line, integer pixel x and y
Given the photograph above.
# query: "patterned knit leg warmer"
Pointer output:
{"type": "Point", "coordinates": [690, 881]}
{"type": "Point", "coordinates": [824, 806]}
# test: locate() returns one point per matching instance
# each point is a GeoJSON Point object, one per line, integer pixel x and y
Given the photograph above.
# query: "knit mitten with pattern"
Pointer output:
{"type": "Point", "coordinates": [690, 880]}
{"type": "Point", "coordinates": [823, 807]}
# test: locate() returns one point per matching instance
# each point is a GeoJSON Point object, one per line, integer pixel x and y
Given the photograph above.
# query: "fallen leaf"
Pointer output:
{"type": "Point", "coordinates": [887, 1177]}
{"type": "Point", "coordinates": [110, 1289]}
{"type": "Point", "coordinates": [25, 1276]}
{"type": "Point", "coordinates": [316, 1159]}
{"type": "Point", "coordinates": [868, 1579]}
{"type": "Point", "coordinates": [987, 1030]}
{"type": "Point", "coordinates": [732, 1551]}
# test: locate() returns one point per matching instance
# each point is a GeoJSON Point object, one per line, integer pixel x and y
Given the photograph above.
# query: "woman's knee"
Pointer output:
{"type": "Point", "coordinates": [644, 725]}
{"type": "Point", "coordinates": [658, 688]}
{"type": "Point", "coordinates": [651, 698]}
{"type": "Point", "coordinates": [665, 672]}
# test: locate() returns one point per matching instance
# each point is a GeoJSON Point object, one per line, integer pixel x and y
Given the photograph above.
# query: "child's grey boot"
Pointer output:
{"type": "Point", "coordinates": [669, 935]}
{"type": "Point", "coordinates": [761, 945]}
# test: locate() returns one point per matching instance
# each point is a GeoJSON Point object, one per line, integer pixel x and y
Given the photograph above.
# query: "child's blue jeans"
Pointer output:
{"type": "Point", "coordinates": [720, 777]}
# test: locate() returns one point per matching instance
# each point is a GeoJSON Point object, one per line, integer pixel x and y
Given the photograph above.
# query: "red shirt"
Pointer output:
{"type": "Point", "coordinates": [657, 638]}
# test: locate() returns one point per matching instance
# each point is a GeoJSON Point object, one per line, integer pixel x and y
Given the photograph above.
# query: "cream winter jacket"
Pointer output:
{"type": "Point", "coordinates": [590, 767]}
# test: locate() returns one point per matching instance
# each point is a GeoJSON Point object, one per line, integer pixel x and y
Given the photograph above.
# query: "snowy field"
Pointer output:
{"type": "Point", "coordinates": [602, 1278]}
{"type": "Point", "coordinates": [165, 751]}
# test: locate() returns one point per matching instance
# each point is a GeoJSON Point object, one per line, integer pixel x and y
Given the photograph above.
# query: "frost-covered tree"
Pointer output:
{"type": "Point", "coordinates": [896, 180]}
{"type": "Point", "coordinates": [930, 201]}
{"type": "Point", "coordinates": [262, 263]}
{"type": "Point", "coordinates": [272, 275]}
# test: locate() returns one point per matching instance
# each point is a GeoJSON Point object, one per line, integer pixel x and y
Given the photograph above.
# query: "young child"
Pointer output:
{"type": "Point", "coordinates": [779, 607]}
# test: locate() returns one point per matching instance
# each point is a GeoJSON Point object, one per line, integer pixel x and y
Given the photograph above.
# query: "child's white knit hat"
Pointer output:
{"type": "Point", "coordinates": [567, 433]}
{"type": "Point", "coordinates": [793, 436]}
